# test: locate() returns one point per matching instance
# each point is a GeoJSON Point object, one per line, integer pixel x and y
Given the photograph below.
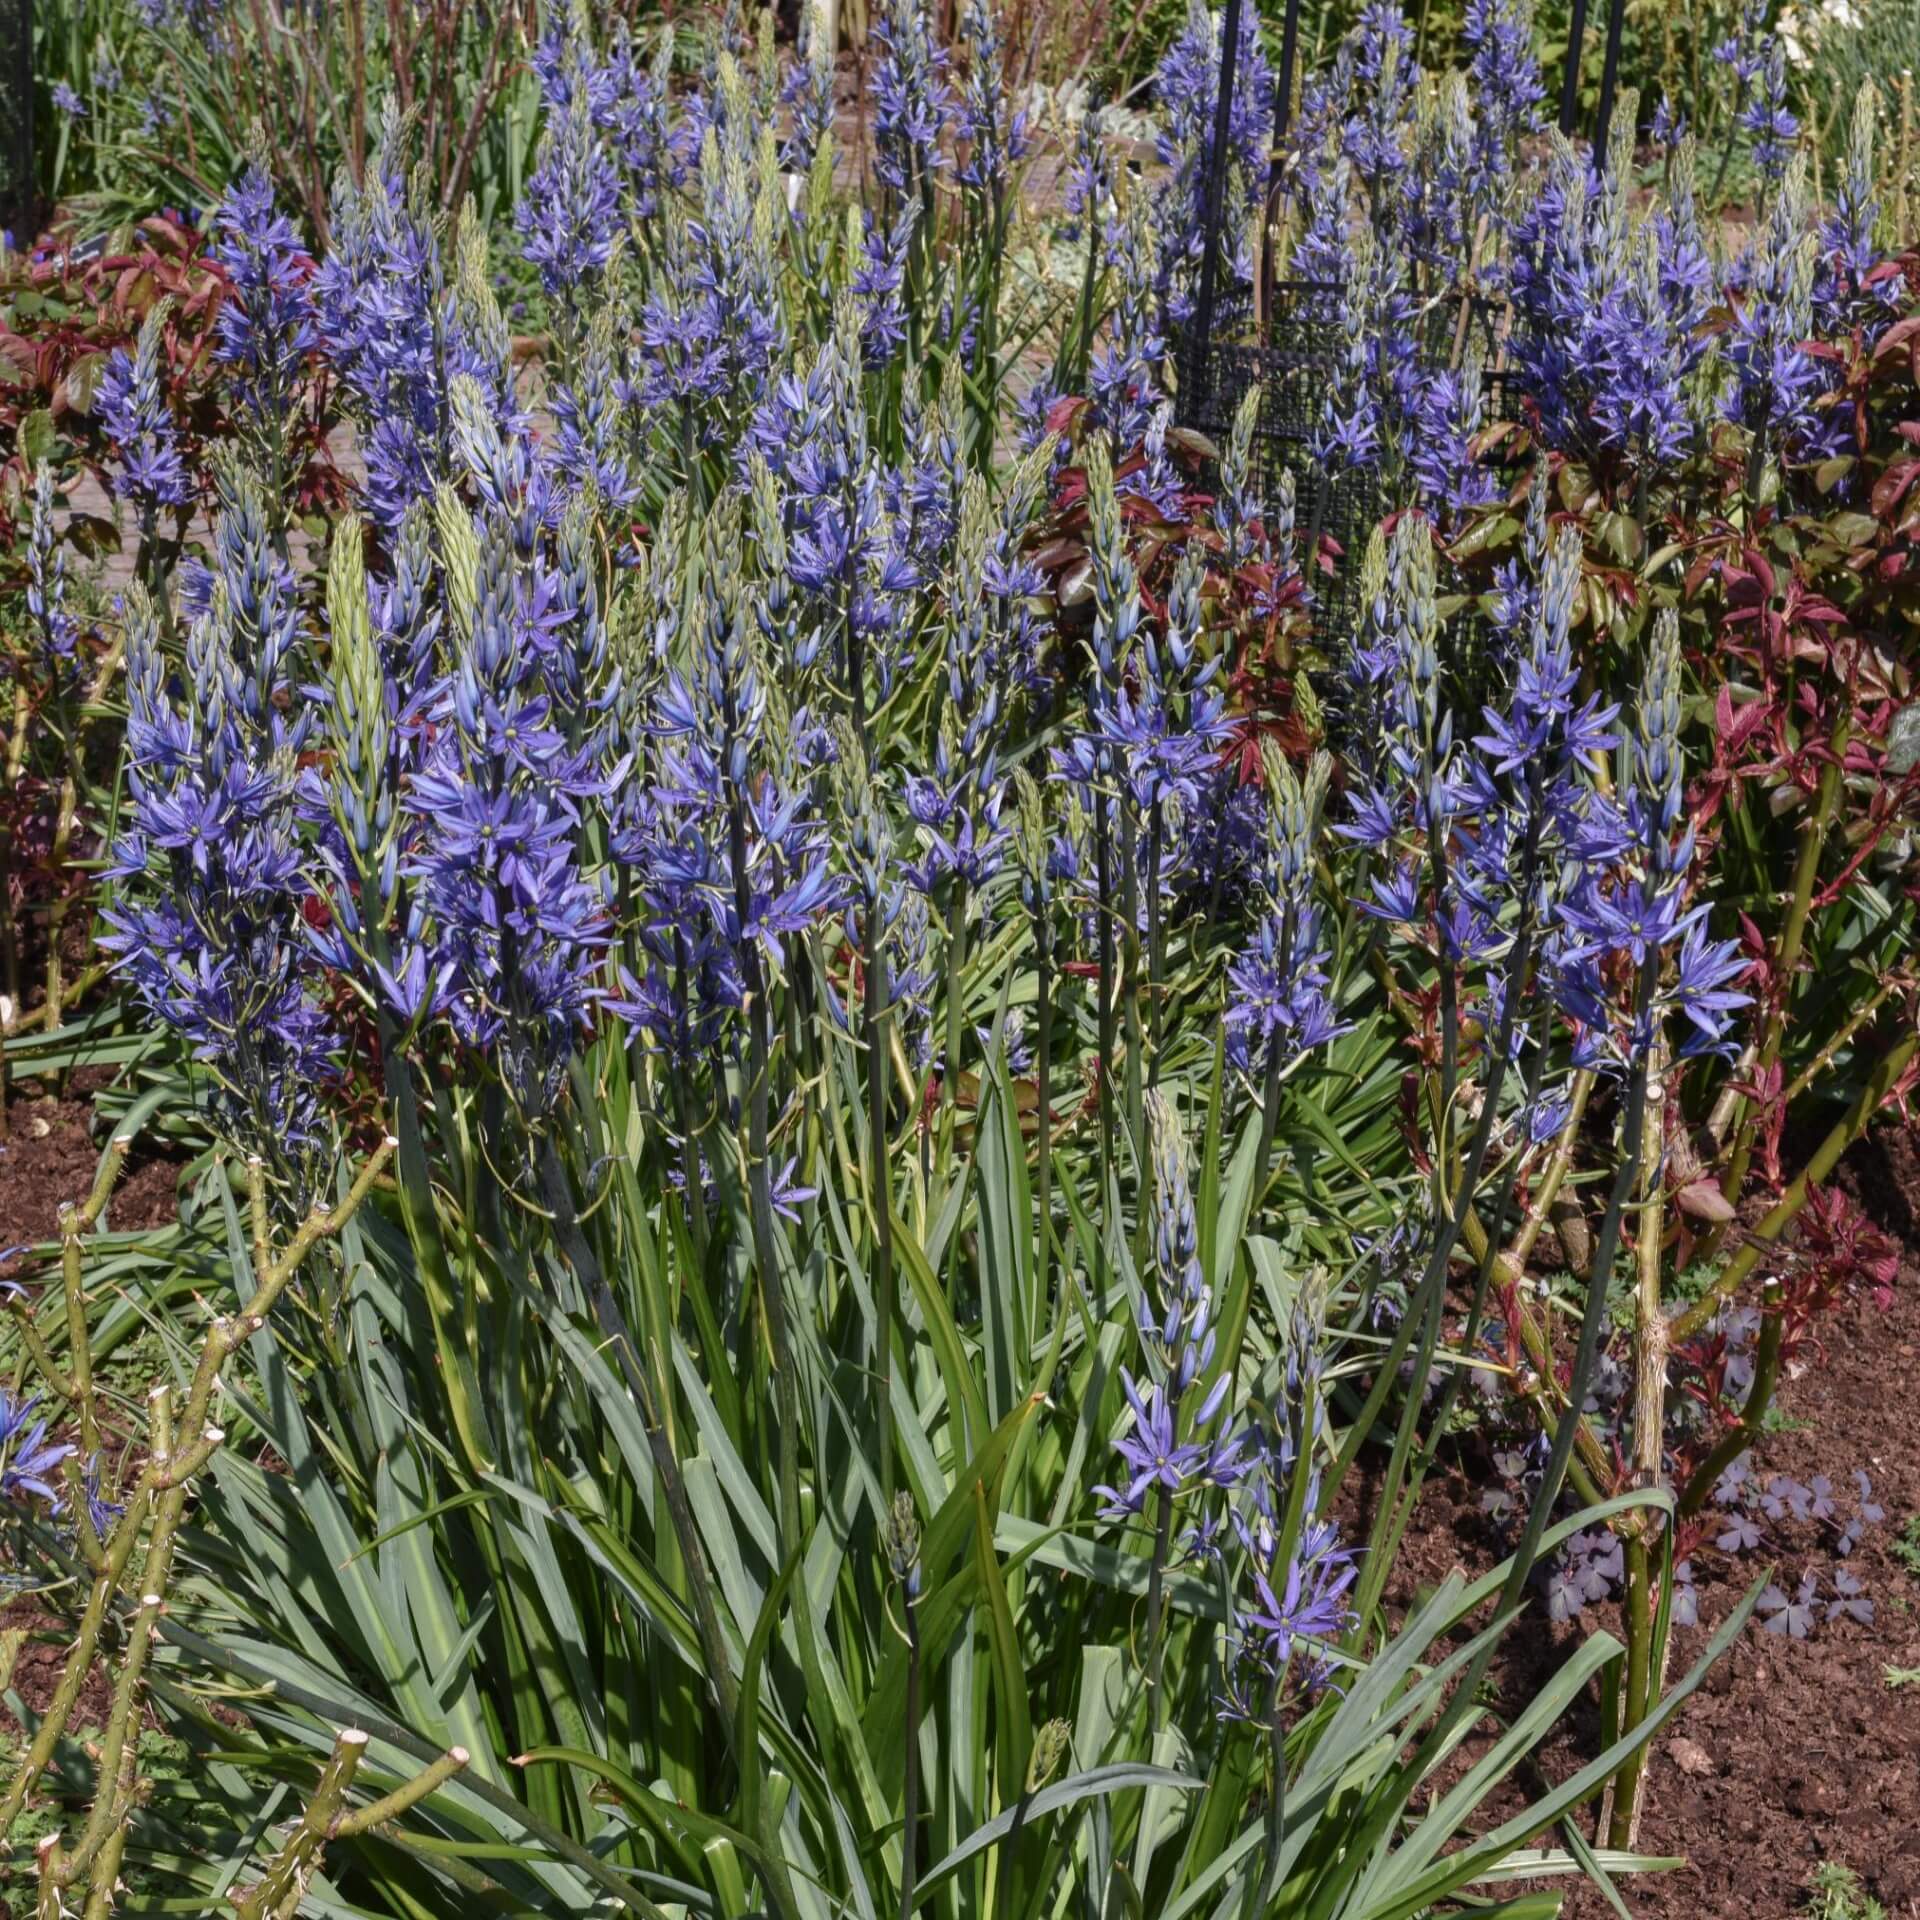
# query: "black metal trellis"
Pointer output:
{"type": "Point", "coordinates": [1609, 78]}
{"type": "Point", "coordinates": [18, 184]}
{"type": "Point", "coordinates": [1609, 73]}
{"type": "Point", "coordinates": [1570, 79]}
{"type": "Point", "coordinates": [1203, 314]}
{"type": "Point", "coordinates": [1289, 368]}
{"type": "Point", "coordinates": [1292, 356]}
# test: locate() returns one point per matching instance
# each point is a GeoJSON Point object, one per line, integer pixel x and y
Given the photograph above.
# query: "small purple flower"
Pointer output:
{"type": "Point", "coordinates": [1765, 115]}
{"type": "Point", "coordinates": [102, 1512]}
{"type": "Point", "coordinates": [1187, 83]}
{"type": "Point", "coordinates": [570, 211]}
{"type": "Point", "coordinates": [1153, 1457]}
{"type": "Point", "coordinates": [28, 1458]}
{"type": "Point", "coordinates": [266, 325]}
{"type": "Point", "coordinates": [992, 133]}
{"type": "Point", "coordinates": [788, 1194]}
{"type": "Point", "coordinates": [1591, 1565]}
{"type": "Point", "coordinates": [139, 423]}
{"type": "Point", "coordinates": [59, 631]}
{"type": "Point", "coordinates": [913, 100]}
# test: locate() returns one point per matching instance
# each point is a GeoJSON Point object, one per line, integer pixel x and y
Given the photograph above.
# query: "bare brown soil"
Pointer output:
{"type": "Point", "coordinates": [1792, 1752]}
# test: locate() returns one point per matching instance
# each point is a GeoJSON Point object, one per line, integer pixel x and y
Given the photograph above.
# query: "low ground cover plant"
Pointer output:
{"type": "Point", "coordinates": [858, 1004]}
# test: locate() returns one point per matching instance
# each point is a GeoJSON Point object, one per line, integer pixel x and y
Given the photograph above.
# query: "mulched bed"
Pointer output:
{"type": "Point", "coordinates": [1791, 1752]}
{"type": "Point", "coordinates": [48, 1158]}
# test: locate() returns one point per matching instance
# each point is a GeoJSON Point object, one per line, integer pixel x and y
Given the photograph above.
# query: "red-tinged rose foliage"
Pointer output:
{"type": "Point", "coordinates": [65, 311]}
{"type": "Point", "coordinates": [1256, 616]}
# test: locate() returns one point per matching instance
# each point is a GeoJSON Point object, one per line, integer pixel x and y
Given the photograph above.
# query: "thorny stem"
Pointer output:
{"type": "Point", "coordinates": [104, 1882]}
{"type": "Point", "coordinates": [160, 1491]}
{"type": "Point", "coordinates": [1389, 1499]}
{"type": "Point", "coordinates": [1452, 1225]}
{"type": "Point", "coordinates": [1605, 1247]}
{"type": "Point", "coordinates": [303, 1846]}
{"type": "Point", "coordinates": [1487, 1262]}
{"type": "Point", "coordinates": [57, 907]}
{"type": "Point", "coordinates": [1554, 1178]}
{"type": "Point", "coordinates": [1586, 1354]}
{"type": "Point", "coordinates": [327, 1818]}
{"type": "Point", "coordinates": [1591, 1459]}
{"type": "Point", "coordinates": [1822, 1060]}
{"type": "Point", "coordinates": [1880, 1082]}
{"type": "Point", "coordinates": [9, 945]}
{"type": "Point", "coordinates": [1786, 964]}
{"type": "Point", "coordinates": [75, 1224]}
{"type": "Point", "coordinates": [1649, 1444]}
{"type": "Point", "coordinates": [391, 1806]}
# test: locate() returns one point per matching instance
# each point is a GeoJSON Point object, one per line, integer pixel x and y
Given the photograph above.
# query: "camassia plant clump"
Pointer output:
{"type": "Point", "coordinates": [845, 1047]}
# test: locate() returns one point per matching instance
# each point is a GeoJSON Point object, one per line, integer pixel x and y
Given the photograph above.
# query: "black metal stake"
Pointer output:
{"type": "Point", "coordinates": [19, 181]}
{"type": "Point", "coordinates": [1609, 76]}
{"type": "Point", "coordinates": [1216, 194]}
{"type": "Point", "coordinates": [1570, 84]}
{"type": "Point", "coordinates": [1283, 90]}
{"type": "Point", "coordinates": [1282, 119]}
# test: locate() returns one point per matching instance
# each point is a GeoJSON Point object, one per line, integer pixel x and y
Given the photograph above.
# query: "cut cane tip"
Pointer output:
{"type": "Point", "coordinates": [459, 1756]}
{"type": "Point", "coordinates": [354, 1737]}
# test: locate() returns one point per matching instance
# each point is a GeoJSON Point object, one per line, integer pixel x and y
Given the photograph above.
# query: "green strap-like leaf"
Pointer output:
{"type": "Point", "coordinates": [1092, 1785]}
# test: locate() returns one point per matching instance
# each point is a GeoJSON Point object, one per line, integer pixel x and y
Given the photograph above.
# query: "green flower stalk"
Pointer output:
{"type": "Point", "coordinates": [900, 1542]}
{"type": "Point", "coordinates": [1117, 616]}
{"type": "Point", "coordinates": [1033, 844]}
{"type": "Point", "coordinates": [870, 844]}
{"type": "Point", "coordinates": [726, 611]}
